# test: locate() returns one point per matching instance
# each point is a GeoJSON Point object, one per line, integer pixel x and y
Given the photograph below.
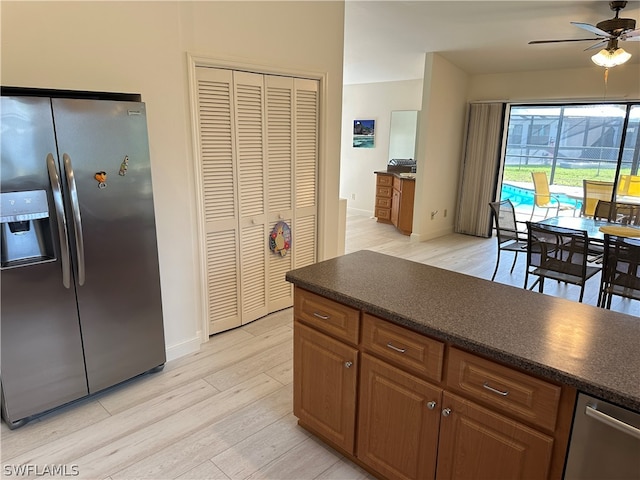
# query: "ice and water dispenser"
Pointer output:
{"type": "Point", "coordinates": [26, 235]}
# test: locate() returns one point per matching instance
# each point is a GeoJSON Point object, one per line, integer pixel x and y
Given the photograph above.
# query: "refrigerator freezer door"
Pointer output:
{"type": "Point", "coordinates": [119, 302]}
{"type": "Point", "coordinates": [42, 362]}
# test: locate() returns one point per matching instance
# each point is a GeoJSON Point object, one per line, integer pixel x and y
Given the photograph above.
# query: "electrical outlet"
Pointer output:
{"type": "Point", "coordinates": [353, 196]}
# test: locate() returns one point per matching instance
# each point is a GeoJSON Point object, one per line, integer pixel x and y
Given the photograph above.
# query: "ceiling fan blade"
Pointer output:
{"type": "Point", "coordinates": [532, 42]}
{"type": "Point", "coordinates": [601, 44]}
{"type": "Point", "coordinates": [591, 28]}
{"type": "Point", "coordinates": [633, 36]}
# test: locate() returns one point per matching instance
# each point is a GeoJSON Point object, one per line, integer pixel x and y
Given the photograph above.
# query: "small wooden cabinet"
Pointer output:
{"type": "Point", "coordinates": [384, 195]}
{"type": "Point", "coordinates": [394, 201]}
{"type": "Point", "coordinates": [422, 409]}
{"type": "Point", "coordinates": [402, 204]}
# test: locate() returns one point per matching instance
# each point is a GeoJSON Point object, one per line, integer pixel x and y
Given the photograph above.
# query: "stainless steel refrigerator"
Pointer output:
{"type": "Point", "coordinates": [80, 288]}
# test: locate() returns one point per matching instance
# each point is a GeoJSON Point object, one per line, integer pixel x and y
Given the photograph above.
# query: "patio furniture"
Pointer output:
{"type": "Point", "coordinates": [594, 190]}
{"type": "Point", "coordinates": [510, 239]}
{"type": "Point", "coordinates": [558, 253]}
{"type": "Point", "coordinates": [543, 198]}
{"type": "Point", "coordinates": [629, 186]}
{"type": "Point", "coordinates": [620, 270]}
{"type": "Point", "coordinates": [618, 212]}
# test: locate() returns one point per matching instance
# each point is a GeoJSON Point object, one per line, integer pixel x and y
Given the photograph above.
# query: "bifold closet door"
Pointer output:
{"type": "Point", "coordinates": [258, 144]}
{"type": "Point", "coordinates": [218, 175]}
{"type": "Point", "coordinates": [306, 114]}
{"type": "Point", "coordinates": [251, 193]}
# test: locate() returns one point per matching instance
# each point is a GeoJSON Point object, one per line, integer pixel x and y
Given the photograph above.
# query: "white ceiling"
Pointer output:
{"type": "Point", "coordinates": [386, 40]}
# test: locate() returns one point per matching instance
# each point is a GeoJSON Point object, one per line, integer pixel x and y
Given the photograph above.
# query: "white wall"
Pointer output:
{"type": "Point", "coordinates": [440, 141]}
{"type": "Point", "coordinates": [371, 101]}
{"type": "Point", "coordinates": [141, 47]}
{"type": "Point", "coordinates": [558, 85]}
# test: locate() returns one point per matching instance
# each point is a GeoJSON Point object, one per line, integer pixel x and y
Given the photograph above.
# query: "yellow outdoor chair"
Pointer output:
{"type": "Point", "coordinates": [629, 186]}
{"type": "Point", "coordinates": [544, 199]}
{"type": "Point", "coordinates": [594, 191]}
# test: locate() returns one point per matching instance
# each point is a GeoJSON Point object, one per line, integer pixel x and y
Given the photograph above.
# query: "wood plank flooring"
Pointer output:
{"type": "Point", "coordinates": [225, 412]}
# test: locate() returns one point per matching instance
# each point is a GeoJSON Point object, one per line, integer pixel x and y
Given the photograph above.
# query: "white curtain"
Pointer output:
{"type": "Point", "coordinates": [481, 163]}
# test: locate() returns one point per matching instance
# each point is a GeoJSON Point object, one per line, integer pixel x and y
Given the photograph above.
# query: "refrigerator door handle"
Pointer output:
{"type": "Point", "coordinates": [54, 179]}
{"type": "Point", "coordinates": [77, 221]}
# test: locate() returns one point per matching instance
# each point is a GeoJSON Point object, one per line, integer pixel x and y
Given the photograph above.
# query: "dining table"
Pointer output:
{"type": "Point", "coordinates": [595, 229]}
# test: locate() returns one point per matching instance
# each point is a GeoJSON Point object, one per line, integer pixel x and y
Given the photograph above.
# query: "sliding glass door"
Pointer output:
{"type": "Point", "coordinates": [574, 145]}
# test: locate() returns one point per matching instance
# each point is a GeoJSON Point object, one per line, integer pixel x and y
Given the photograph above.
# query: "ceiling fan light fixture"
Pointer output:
{"type": "Point", "coordinates": [610, 57]}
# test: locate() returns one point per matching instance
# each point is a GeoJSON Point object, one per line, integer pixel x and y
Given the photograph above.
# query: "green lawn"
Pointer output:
{"type": "Point", "coordinates": [570, 177]}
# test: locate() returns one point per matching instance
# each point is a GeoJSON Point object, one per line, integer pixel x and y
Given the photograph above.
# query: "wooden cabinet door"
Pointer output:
{"type": "Point", "coordinates": [325, 382]}
{"type": "Point", "coordinates": [478, 443]}
{"type": "Point", "coordinates": [395, 207]}
{"type": "Point", "coordinates": [398, 421]}
{"type": "Point", "coordinates": [405, 200]}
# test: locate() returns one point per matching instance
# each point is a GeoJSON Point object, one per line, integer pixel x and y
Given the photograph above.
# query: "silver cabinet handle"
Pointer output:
{"type": "Point", "coordinates": [320, 316]}
{"type": "Point", "coordinates": [494, 390]}
{"type": "Point", "coordinates": [446, 412]}
{"type": "Point", "coordinates": [431, 405]}
{"type": "Point", "coordinates": [612, 422]}
{"type": "Point", "coordinates": [392, 347]}
{"type": "Point", "coordinates": [77, 221]}
{"type": "Point", "coordinates": [348, 364]}
{"type": "Point", "coordinates": [54, 180]}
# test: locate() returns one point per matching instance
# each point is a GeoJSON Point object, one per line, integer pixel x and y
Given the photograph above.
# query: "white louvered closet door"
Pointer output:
{"type": "Point", "coordinates": [258, 146]}
{"type": "Point", "coordinates": [220, 210]}
{"type": "Point", "coordinates": [251, 192]}
{"type": "Point", "coordinates": [280, 134]}
{"type": "Point", "coordinates": [306, 107]}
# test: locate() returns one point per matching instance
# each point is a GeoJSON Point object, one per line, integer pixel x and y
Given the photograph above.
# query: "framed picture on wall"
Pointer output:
{"type": "Point", "coordinates": [364, 133]}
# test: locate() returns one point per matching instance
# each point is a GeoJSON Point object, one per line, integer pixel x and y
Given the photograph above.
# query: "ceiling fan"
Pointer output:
{"type": "Point", "coordinates": [608, 32]}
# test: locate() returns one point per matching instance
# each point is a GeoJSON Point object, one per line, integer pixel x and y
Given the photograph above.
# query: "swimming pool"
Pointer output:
{"type": "Point", "coordinates": [524, 196]}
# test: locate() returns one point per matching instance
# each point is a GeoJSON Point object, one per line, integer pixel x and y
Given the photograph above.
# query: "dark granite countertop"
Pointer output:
{"type": "Point", "coordinates": [594, 350]}
{"type": "Point", "coordinates": [402, 175]}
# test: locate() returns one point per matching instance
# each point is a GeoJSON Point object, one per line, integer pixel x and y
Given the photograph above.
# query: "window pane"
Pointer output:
{"type": "Point", "coordinates": [570, 143]}
{"type": "Point", "coordinates": [628, 190]}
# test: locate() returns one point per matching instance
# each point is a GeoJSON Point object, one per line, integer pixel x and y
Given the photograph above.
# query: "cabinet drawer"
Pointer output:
{"type": "Point", "coordinates": [383, 214]}
{"type": "Point", "coordinates": [417, 353]}
{"type": "Point", "coordinates": [384, 191]}
{"type": "Point", "coordinates": [384, 180]}
{"type": "Point", "coordinates": [383, 202]}
{"type": "Point", "coordinates": [503, 389]}
{"type": "Point", "coordinates": [331, 317]}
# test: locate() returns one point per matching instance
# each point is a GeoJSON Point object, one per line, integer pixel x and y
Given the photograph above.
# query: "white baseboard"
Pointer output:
{"type": "Point", "coordinates": [416, 237]}
{"type": "Point", "coordinates": [359, 211]}
{"type": "Point", "coordinates": [184, 348]}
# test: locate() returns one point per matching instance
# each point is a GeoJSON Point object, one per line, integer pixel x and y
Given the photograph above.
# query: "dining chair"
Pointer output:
{"type": "Point", "coordinates": [594, 190]}
{"type": "Point", "coordinates": [544, 199]}
{"type": "Point", "coordinates": [510, 238]}
{"type": "Point", "coordinates": [618, 212]}
{"type": "Point", "coordinates": [627, 213]}
{"type": "Point", "coordinates": [620, 269]}
{"type": "Point", "coordinates": [558, 253]}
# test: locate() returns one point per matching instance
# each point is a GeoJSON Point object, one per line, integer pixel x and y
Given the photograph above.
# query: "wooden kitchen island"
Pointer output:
{"type": "Point", "coordinates": [413, 371]}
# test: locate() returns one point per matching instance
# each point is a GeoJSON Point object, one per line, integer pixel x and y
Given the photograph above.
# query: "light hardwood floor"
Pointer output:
{"type": "Point", "coordinates": [225, 412]}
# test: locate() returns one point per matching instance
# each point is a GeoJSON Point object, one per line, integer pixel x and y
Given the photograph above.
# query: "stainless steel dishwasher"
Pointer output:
{"type": "Point", "coordinates": [605, 442]}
